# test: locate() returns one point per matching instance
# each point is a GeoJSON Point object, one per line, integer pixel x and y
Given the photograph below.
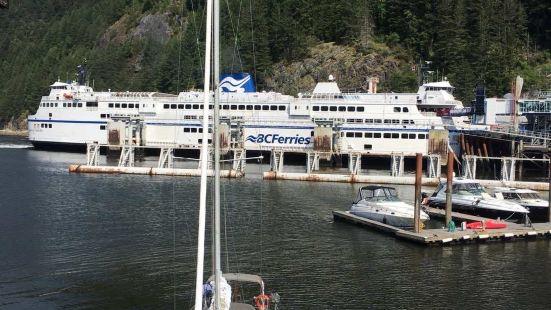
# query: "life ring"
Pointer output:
{"type": "Point", "coordinates": [262, 301]}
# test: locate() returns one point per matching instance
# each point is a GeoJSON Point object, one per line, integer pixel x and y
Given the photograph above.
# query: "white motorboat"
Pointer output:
{"type": "Point", "coordinates": [380, 203]}
{"type": "Point", "coordinates": [468, 196]}
{"type": "Point", "coordinates": [530, 199]}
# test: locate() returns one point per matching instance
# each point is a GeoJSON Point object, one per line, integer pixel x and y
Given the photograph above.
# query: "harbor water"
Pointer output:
{"type": "Point", "coordinates": [95, 241]}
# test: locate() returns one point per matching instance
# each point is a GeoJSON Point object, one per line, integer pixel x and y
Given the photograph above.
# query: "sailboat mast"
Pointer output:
{"type": "Point", "coordinates": [204, 165]}
{"type": "Point", "coordinates": [216, 140]}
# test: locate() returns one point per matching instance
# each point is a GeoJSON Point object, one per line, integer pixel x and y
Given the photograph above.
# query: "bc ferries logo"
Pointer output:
{"type": "Point", "coordinates": [237, 83]}
{"type": "Point", "coordinates": [277, 139]}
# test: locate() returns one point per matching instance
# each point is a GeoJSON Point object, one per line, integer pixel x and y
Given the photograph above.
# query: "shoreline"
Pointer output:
{"type": "Point", "coordinates": [18, 133]}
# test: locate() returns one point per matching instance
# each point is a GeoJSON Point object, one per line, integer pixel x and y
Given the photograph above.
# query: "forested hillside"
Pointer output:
{"type": "Point", "coordinates": [288, 45]}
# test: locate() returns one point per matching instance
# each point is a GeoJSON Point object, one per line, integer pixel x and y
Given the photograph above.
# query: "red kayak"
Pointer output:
{"type": "Point", "coordinates": [489, 224]}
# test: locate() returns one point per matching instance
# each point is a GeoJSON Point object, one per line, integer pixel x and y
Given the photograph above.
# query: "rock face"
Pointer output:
{"type": "Point", "coordinates": [350, 67]}
{"type": "Point", "coordinates": [154, 27]}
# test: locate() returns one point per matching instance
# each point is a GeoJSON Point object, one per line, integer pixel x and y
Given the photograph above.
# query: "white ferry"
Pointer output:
{"type": "Point", "coordinates": [379, 123]}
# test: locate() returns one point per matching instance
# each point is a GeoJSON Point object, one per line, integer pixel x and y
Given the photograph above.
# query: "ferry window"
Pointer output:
{"type": "Point", "coordinates": [358, 135]}
{"type": "Point", "coordinates": [342, 109]}
{"type": "Point", "coordinates": [172, 106]}
{"type": "Point", "coordinates": [200, 130]}
{"type": "Point", "coordinates": [233, 107]}
{"type": "Point", "coordinates": [342, 134]}
{"type": "Point", "coordinates": [131, 106]}
{"type": "Point", "coordinates": [80, 104]}
{"type": "Point", "coordinates": [41, 125]}
{"type": "Point", "coordinates": [311, 133]}
{"type": "Point", "coordinates": [369, 121]}
{"type": "Point", "coordinates": [395, 136]}
{"type": "Point", "coordinates": [195, 106]}
{"type": "Point", "coordinates": [91, 104]}
{"type": "Point", "coordinates": [378, 121]}
{"type": "Point", "coordinates": [225, 107]}
{"type": "Point", "coordinates": [241, 107]}
{"type": "Point", "coordinates": [376, 135]}
{"type": "Point", "coordinates": [324, 108]}
{"type": "Point", "coordinates": [395, 121]}
{"type": "Point", "coordinates": [368, 147]}
{"type": "Point", "coordinates": [49, 125]}
{"type": "Point", "coordinates": [273, 108]}
{"type": "Point", "coordinates": [102, 115]}
{"type": "Point", "coordinates": [412, 136]}
{"type": "Point", "coordinates": [386, 135]}
{"type": "Point", "coordinates": [118, 105]}
{"type": "Point", "coordinates": [102, 127]}
{"type": "Point", "coordinates": [395, 97]}
{"type": "Point", "coordinates": [265, 107]}
{"type": "Point", "coordinates": [249, 107]}
{"type": "Point", "coordinates": [211, 107]}
{"type": "Point", "coordinates": [257, 107]}
{"type": "Point", "coordinates": [351, 109]}
{"type": "Point", "coordinates": [404, 136]}
{"type": "Point", "coordinates": [210, 130]}
{"type": "Point", "coordinates": [397, 109]}
{"type": "Point", "coordinates": [64, 104]}
{"type": "Point", "coordinates": [202, 106]}
{"type": "Point", "coordinates": [411, 121]}
{"type": "Point", "coordinates": [56, 105]}
{"type": "Point", "coordinates": [405, 121]}
{"type": "Point", "coordinates": [187, 129]}
{"type": "Point", "coordinates": [50, 114]}
{"type": "Point", "coordinates": [47, 104]}
{"type": "Point", "coordinates": [315, 108]}
{"type": "Point", "coordinates": [333, 108]}
{"type": "Point", "coordinates": [350, 135]}
{"type": "Point", "coordinates": [110, 105]}
{"type": "Point", "coordinates": [405, 109]}
{"type": "Point", "coordinates": [107, 115]}
{"type": "Point", "coordinates": [281, 108]}
{"type": "Point", "coordinates": [188, 106]}
{"type": "Point", "coordinates": [360, 109]}
{"type": "Point", "coordinates": [193, 129]}
{"type": "Point", "coordinates": [387, 121]}
{"type": "Point", "coordinates": [180, 106]}
{"type": "Point", "coordinates": [368, 135]}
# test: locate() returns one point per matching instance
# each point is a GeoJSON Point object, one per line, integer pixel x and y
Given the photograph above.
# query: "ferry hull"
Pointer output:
{"type": "Point", "coordinates": [59, 146]}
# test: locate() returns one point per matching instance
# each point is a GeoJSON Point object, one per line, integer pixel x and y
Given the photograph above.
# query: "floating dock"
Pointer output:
{"type": "Point", "coordinates": [151, 171]}
{"type": "Point", "coordinates": [382, 179]}
{"type": "Point", "coordinates": [444, 237]}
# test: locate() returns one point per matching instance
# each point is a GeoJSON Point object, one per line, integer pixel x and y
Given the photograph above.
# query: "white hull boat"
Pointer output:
{"type": "Point", "coordinates": [469, 197]}
{"type": "Point", "coordinates": [382, 204]}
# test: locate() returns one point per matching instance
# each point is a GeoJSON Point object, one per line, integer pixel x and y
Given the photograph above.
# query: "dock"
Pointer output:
{"type": "Point", "coordinates": [151, 171]}
{"type": "Point", "coordinates": [438, 237]}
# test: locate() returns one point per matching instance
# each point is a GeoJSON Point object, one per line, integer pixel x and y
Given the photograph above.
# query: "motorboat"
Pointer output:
{"type": "Point", "coordinates": [469, 197]}
{"type": "Point", "coordinates": [381, 203]}
{"type": "Point", "coordinates": [530, 199]}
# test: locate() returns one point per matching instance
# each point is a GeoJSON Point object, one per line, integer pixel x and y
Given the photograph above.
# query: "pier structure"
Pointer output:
{"type": "Point", "coordinates": [312, 172]}
{"type": "Point", "coordinates": [128, 140]}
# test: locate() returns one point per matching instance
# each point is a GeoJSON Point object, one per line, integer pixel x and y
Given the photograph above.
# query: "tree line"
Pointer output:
{"type": "Point", "coordinates": [469, 42]}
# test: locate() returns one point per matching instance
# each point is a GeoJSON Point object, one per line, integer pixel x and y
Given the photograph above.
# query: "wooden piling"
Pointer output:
{"type": "Point", "coordinates": [449, 185]}
{"type": "Point", "coordinates": [418, 176]}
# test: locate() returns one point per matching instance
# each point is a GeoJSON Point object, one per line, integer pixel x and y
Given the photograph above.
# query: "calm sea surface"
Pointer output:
{"type": "Point", "coordinates": [83, 241]}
